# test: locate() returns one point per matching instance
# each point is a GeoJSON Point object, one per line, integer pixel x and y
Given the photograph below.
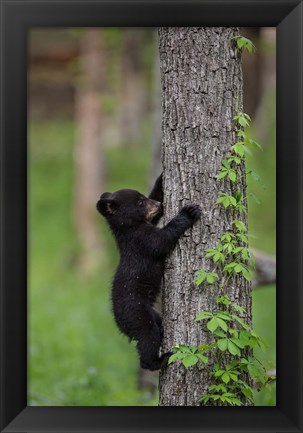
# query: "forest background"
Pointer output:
{"type": "Point", "coordinates": [94, 125]}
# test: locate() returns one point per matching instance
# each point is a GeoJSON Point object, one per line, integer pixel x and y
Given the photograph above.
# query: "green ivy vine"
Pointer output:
{"type": "Point", "coordinates": [230, 333]}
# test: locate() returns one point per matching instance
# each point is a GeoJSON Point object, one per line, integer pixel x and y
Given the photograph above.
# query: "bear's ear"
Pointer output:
{"type": "Point", "coordinates": [106, 205]}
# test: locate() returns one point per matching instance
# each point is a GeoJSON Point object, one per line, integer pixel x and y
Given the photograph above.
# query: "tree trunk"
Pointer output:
{"type": "Point", "coordinates": [201, 92]}
{"type": "Point", "coordinates": [89, 167]}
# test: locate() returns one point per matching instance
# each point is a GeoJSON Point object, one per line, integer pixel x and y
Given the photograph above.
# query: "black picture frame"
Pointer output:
{"type": "Point", "coordinates": [17, 17]}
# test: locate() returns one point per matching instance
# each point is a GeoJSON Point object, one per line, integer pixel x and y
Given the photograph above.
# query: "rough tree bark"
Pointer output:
{"type": "Point", "coordinates": [89, 166]}
{"type": "Point", "coordinates": [201, 82]}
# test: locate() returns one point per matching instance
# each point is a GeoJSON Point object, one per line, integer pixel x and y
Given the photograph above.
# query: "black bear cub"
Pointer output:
{"type": "Point", "coordinates": [143, 247]}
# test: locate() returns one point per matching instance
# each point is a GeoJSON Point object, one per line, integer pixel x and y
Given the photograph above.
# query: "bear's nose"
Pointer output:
{"type": "Point", "coordinates": [157, 203]}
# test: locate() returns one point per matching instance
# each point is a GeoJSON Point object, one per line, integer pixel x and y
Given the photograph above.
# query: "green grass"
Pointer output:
{"type": "Point", "coordinates": [76, 354]}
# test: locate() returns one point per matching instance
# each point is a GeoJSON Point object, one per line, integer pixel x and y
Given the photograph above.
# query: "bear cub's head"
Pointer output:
{"type": "Point", "coordinates": [127, 207]}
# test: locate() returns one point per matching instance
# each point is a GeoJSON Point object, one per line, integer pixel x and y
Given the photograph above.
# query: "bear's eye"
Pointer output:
{"type": "Point", "coordinates": [140, 203]}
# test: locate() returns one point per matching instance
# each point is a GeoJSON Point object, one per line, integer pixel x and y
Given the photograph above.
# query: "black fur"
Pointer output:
{"type": "Point", "coordinates": [143, 248]}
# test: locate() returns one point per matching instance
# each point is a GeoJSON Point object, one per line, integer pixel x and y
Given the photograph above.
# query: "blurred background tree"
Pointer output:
{"type": "Point", "coordinates": [95, 125]}
{"type": "Point", "coordinates": [89, 146]}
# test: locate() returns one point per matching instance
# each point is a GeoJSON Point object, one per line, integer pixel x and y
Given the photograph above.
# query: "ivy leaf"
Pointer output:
{"type": "Point", "coordinates": [243, 122]}
{"type": "Point", "coordinates": [255, 144]}
{"type": "Point", "coordinates": [238, 342]}
{"type": "Point", "coordinates": [223, 300]}
{"type": "Point", "coordinates": [213, 324]}
{"type": "Point", "coordinates": [232, 348]}
{"type": "Point", "coordinates": [247, 392]}
{"type": "Point", "coordinates": [222, 344]}
{"type": "Point", "coordinates": [190, 360]}
{"type": "Point", "coordinates": [245, 337]}
{"type": "Point", "coordinates": [222, 323]}
{"type": "Point", "coordinates": [219, 387]}
{"type": "Point", "coordinates": [219, 333]}
{"type": "Point", "coordinates": [219, 373]}
{"type": "Point", "coordinates": [211, 277]}
{"type": "Point", "coordinates": [202, 358]}
{"type": "Point", "coordinates": [240, 225]}
{"type": "Point", "coordinates": [245, 44]}
{"type": "Point", "coordinates": [235, 401]}
{"type": "Point", "coordinates": [219, 256]}
{"type": "Point", "coordinates": [241, 208]}
{"type": "Point", "coordinates": [232, 175]}
{"type": "Point", "coordinates": [224, 315]}
{"type": "Point", "coordinates": [221, 174]}
{"type": "Point", "coordinates": [203, 315]}
{"type": "Point", "coordinates": [238, 268]}
{"type": "Point", "coordinates": [226, 237]}
{"type": "Point", "coordinates": [225, 377]}
{"type": "Point", "coordinates": [242, 237]}
{"type": "Point", "coordinates": [186, 349]}
{"type": "Point", "coordinates": [210, 252]}
{"type": "Point", "coordinates": [238, 148]}
{"type": "Point", "coordinates": [225, 202]}
{"type": "Point", "coordinates": [246, 274]}
{"type": "Point", "coordinates": [233, 201]}
{"type": "Point", "coordinates": [229, 267]}
{"type": "Point", "coordinates": [233, 376]}
{"type": "Point", "coordinates": [200, 276]}
{"type": "Point", "coordinates": [238, 308]}
{"type": "Point", "coordinates": [240, 321]}
{"type": "Point", "coordinates": [241, 133]}
{"type": "Point", "coordinates": [176, 357]}
{"type": "Point", "coordinates": [235, 159]}
{"type": "Point", "coordinates": [245, 254]}
{"type": "Point", "coordinates": [204, 398]}
{"type": "Point", "coordinates": [257, 372]}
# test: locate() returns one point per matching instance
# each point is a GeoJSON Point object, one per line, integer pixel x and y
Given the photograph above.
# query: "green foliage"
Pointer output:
{"type": "Point", "coordinates": [224, 397]}
{"type": "Point", "coordinates": [242, 119]}
{"type": "Point", "coordinates": [77, 357]}
{"type": "Point", "coordinates": [229, 331]}
{"type": "Point", "coordinates": [189, 355]}
{"type": "Point", "coordinates": [233, 201]}
{"type": "Point", "coordinates": [216, 254]}
{"type": "Point", "coordinates": [202, 276]}
{"type": "Point", "coordinates": [243, 43]}
{"type": "Point", "coordinates": [227, 200]}
{"type": "Point", "coordinates": [226, 170]}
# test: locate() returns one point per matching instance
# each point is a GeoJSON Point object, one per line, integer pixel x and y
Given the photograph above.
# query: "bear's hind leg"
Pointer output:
{"type": "Point", "coordinates": [158, 320]}
{"type": "Point", "coordinates": [149, 344]}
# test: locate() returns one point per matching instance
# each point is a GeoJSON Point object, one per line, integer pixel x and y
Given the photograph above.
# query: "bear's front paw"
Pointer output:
{"type": "Point", "coordinates": [192, 211]}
